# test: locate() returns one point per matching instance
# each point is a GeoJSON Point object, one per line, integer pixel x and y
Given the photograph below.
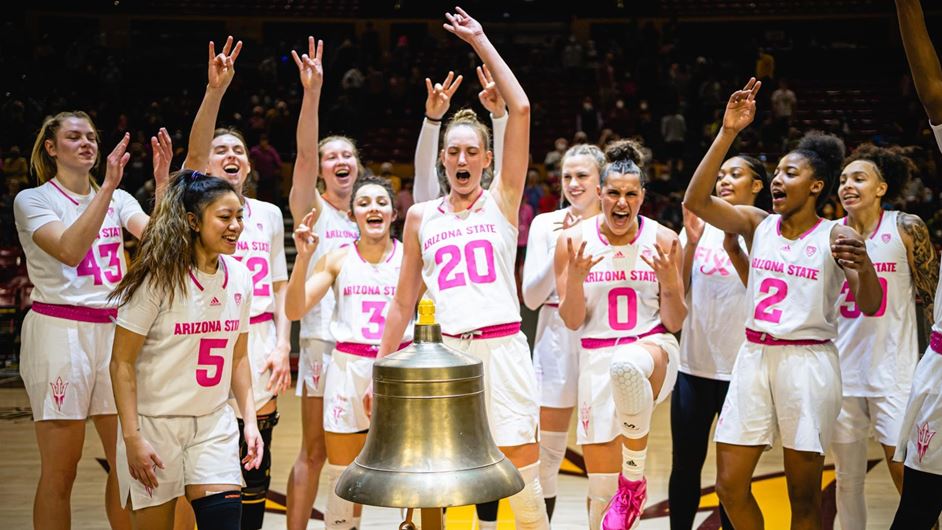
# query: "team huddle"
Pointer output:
{"type": "Point", "coordinates": [793, 328]}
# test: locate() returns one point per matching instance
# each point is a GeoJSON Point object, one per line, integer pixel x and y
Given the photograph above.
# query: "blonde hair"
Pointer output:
{"type": "Point", "coordinates": [589, 150]}
{"type": "Point", "coordinates": [361, 169]}
{"type": "Point", "coordinates": [468, 118]}
{"type": "Point", "coordinates": [42, 163]}
{"type": "Point", "coordinates": [166, 255]}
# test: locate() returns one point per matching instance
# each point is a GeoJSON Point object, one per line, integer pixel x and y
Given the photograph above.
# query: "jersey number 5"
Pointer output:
{"type": "Point", "coordinates": [214, 362]}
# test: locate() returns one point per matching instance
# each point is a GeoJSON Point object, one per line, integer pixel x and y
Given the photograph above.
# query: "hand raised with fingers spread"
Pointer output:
{"type": "Point", "coordinates": [580, 263]}
{"type": "Point", "coordinates": [694, 227]}
{"type": "Point", "coordinates": [461, 24]}
{"type": "Point", "coordinates": [222, 66]}
{"type": "Point", "coordinates": [310, 65]}
{"type": "Point", "coordinates": [162, 147]}
{"type": "Point", "coordinates": [741, 108]}
{"type": "Point", "coordinates": [439, 95]}
{"type": "Point", "coordinates": [568, 222]}
{"type": "Point", "coordinates": [305, 240]}
{"type": "Point", "coordinates": [115, 163]}
{"type": "Point", "coordinates": [663, 263]}
{"type": "Point", "coordinates": [489, 95]}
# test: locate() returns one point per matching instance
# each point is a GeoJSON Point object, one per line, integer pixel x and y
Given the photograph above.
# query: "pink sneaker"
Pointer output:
{"type": "Point", "coordinates": [624, 510]}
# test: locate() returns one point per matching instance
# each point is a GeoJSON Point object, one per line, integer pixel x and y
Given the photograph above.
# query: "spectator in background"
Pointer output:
{"type": "Point", "coordinates": [589, 119]}
{"type": "Point", "coordinates": [15, 166]}
{"type": "Point", "coordinates": [784, 102]}
{"type": "Point", "coordinates": [673, 133]}
{"type": "Point", "coordinates": [267, 164]}
{"type": "Point", "coordinates": [572, 58]}
{"type": "Point", "coordinates": [550, 200]}
{"type": "Point", "coordinates": [386, 171]}
{"type": "Point", "coordinates": [404, 199]}
{"type": "Point", "coordinates": [533, 192]}
{"type": "Point", "coordinates": [551, 161]}
{"type": "Point", "coordinates": [765, 66]}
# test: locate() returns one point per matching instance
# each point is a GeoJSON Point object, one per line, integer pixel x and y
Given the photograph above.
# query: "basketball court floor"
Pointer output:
{"type": "Point", "coordinates": [19, 472]}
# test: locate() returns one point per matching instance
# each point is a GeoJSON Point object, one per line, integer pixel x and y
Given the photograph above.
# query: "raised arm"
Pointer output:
{"type": "Point", "coordinates": [304, 195]}
{"type": "Point", "coordinates": [693, 230]}
{"type": "Point", "coordinates": [425, 186]}
{"type": "Point", "coordinates": [923, 261]}
{"type": "Point", "coordinates": [490, 97]}
{"type": "Point", "coordinates": [70, 244]}
{"type": "Point", "coordinates": [738, 257]}
{"type": "Point", "coordinates": [409, 287]}
{"type": "Point", "coordinates": [539, 279]}
{"type": "Point", "coordinates": [508, 185]}
{"type": "Point", "coordinates": [923, 60]}
{"type": "Point", "coordinates": [302, 292]}
{"type": "Point", "coordinates": [699, 199]}
{"type": "Point", "coordinates": [221, 72]}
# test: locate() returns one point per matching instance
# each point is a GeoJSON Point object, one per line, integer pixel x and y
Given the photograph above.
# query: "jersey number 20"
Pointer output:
{"type": "Point", "coordinates": [475, 252]}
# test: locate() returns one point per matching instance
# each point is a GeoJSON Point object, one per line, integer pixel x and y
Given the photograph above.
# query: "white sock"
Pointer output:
{"type": "Point", "coordinates": [850, 466]}
{"type": "Point", "coordinates": [339, 512]}
{"type": "Point", "coordinates": [632, 465]}
{"type": "Point", "coordinates": [602, 486]}
{"type": "Point", "coordinates": [487, 525]}
{"type": "Point", "coordinates": [552, 453]}
{"type": "Point", "coordinates": [356, 522]}
{"type": "Point", "coordinates": [528, 505]}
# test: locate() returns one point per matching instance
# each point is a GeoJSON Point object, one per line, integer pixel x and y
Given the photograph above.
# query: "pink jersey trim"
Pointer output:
{"type": "Point", "coordinates": [441, 203]}
{"type": "Point", "coordinates": [552, 305]}
{"type": "Point", "coordinates": [248, 209]}
{"type": "Point", "coordinates": [64, 194]}
{"type": "Point", "coordinates": [264, 317]}
{"type": "Point", "coordinates": [388, 259]}
{"type": "Point", "coordinates": [393, 253]}
{"type": "Point", "coordinates": [758, 337]}
{"type": "Point", "coordinates": [935, 341]}
{"type": "Point", "coordinates": [875, 230]}
{"type": "Point", "coordinates": [365, 350]}
{"type": "Point", "coordinates": [197, 282]}
{"type": "Point", "coordinates": [73, 312]}
{"type": "Point", "coordinates": [604, 240]}
{"type": "Point", "coordinates": [778, 228]}
{"type": "Point", "coordinates": [594, 344]}
{"type": "Point", "coordinates": [489, 332]}
{"type": "Point", "coordinates": [225, 272]}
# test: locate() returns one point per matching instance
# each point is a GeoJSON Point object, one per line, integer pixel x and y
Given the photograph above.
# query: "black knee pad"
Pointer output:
{"type": "Point", "coordinates": [219, 511]}
{"type": "Point", "coordinates": [487, 511]}
{"type": "Point", "coordinates": [258, 480]}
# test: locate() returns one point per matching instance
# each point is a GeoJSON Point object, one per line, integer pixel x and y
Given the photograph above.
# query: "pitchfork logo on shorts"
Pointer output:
{"type": "Point", "coordinates": [58, 392]}
{"type": "Point", "coordinates": [238, 298]}
{"type": "Point", "coordinates": [886, 238]}
{"type": "Point", "coordinates": [924, 436]}
{"type": "Point", "coordinates": [585, 412]}
{"type": "Point", "coordinates": [810, 250]}
{"type": "Point", "coordinates": [259, 225]}
{"type": "Point", "coordinates": [316, 373]}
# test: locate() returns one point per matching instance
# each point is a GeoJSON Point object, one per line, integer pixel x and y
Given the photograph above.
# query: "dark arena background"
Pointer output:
{"type": "Point", "coordinates": [594, 72]}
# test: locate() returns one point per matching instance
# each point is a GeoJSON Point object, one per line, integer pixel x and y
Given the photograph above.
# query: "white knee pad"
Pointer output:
{"type": "Point", "coordinates": [339, 513]}
{"type": "Point", "coordinates": [602, 486]}
{"type": "Point", "coordinates": [552, 452]}
{"type": "Point", "coordinates": [630, 369]}
{"type": "Point", "coordinates": [850, 466]}
{"type": "Point", "coordinates": [528, 505]}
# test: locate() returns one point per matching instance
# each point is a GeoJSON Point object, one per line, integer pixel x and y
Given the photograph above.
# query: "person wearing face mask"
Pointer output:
{"type": "Point", "coordinates": [462, 246]}
{"type": "Point", "coordinates": [70, 228]}
{"type": "Point", "coordinates": [878, 352]}
{"type": "Point", "coordinates": [180, 350]}
{"type": "Point", "coordinates": [555, 350]}
{"type": "Point", "coordinates": [363, 278]}
{"type": "Point", "coordinates": [618, 279]}
{"type": "Point", "coordinates": [334, 159]}
{"type": "Point", "coordinates": [707, 348]}
{"type": "Point", "coordinates": [223, 152]}
{"type": "Point", "coordinates": [786, 380]}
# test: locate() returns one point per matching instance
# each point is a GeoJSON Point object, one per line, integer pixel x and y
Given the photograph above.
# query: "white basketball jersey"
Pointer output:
{"type": "Point", "coordinates": [468, 265]}
{"type": "Point", "coordinates": [879, 352]}
{"type": "Point", "coordinates": [363, 292]}
{"type": "Point", "coordinates": [89, 283]}
{"type": "Point", "coordinates": [544, 227]}
{"type": "Point", "coordinates": [335, 229]}
{"type": "Point", "coordinates": [184, 367]}
{"type": "Point", "coordinates": [793, 284]}
{"type": "Point", "coordinates": [261, 248]}
{"type": "Point", "coordinates": [717, 310]}
{"type": "Point", "coordinates": [622, 294]}
{"type": "Point", "coordinates": [937, 308]}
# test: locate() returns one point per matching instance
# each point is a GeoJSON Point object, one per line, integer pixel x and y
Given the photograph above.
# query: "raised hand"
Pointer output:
{"type": "Point", "coordinates": [741, 108]}
{"type": "Point", "coordinates": [693, 226]}
{"type": "Point", "coordinates": [462, 25]}
{"type": "Point", "coordinates": [439, 95]}
{"type": "Point", "coordinates": [115, 163]}
{"type": "Point", "coordinates": [568, 222]}
{"type": "Point", "coordinates": [580, 263]}
{"type": "Point", "coordinates": [305, 240]}
{"type": "Point", "coordinates": [162, 147]}
{"type": "Point", "coordinates": [222, 66]}
{"type": "Point", "coordinates": [663, 263]}
{"type": "Point", "coordinates": [850, 253]}
{"type": "Point", "coordinates": [489, 96]}
{"type": "Point", "coordinates": [310, 65]}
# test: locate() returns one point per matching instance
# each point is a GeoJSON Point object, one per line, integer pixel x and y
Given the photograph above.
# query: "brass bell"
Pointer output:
{"type": "Point", "coordinates": [429, 444]}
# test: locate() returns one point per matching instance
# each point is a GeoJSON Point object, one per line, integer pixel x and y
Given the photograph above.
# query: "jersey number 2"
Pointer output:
{"type": "Point", "coordinates": [777, 290]}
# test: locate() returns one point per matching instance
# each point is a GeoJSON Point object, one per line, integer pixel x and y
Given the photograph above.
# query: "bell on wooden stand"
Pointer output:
{"type": "Point", "coordinates": [429, 445]}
